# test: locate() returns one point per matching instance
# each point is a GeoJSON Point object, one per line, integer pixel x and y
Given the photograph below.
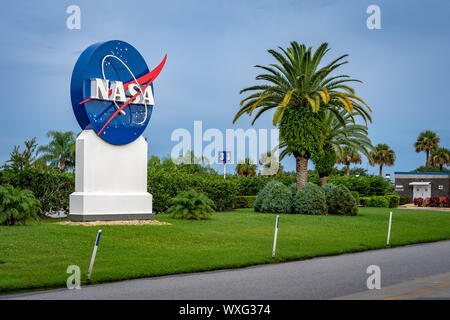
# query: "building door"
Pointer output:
{"type": "Point", "coordinates": [422, 191]}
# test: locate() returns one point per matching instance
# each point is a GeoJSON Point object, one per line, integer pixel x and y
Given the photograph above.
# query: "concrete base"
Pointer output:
{"type": "Point", "coordinates": [110, 180]}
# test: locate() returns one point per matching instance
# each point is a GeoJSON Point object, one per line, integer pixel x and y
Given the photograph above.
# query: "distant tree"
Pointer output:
{"type": "Point", "coordinates": [430, 169]}
{"type": "Point", "coordinates": [22, 160]}
{"type": "Point", "coordinates": [427, 141]}
{"type": "Point", "coordinates": [383, 156]}
{"type": "Point", "coordinates": [440, 157]}
{"type": "Point", "coordinates": [60, 152]}
{"type": "Point", "coordinates": [246, 168]}
{"type": "Point", "coordinates": [347, 157]}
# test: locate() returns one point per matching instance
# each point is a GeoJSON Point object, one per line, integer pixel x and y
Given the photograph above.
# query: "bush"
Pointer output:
{"type": "Point", "coordinates": [166, 183]}
{"type": "Point", "coordinates": [394, 200]}
{"type": "Point", "coordinates": [446, 202]}
{"type": "Point", "coordinates": [404, 200]}
{"type": "Point", "coordinates": [365, 201]}
{"type": "Point", "coordinates": [434, 201]}
{"type": "Point", "coordinates": [340, 201]}
{"type": "Point", "coordinates": [245, 201]}
{"type": "Point", "coordinates": [277, 199]}
{"type": "Point", "coordinates": [51, 188]}
{"type": "Point", "coordinates": [17, 206]}
{"type": "Point", "coordinates": [293, 188]}
{"type": "Point", "coordinates": [257, 205]}
{"type": "Point", "coordinates": [418, 202]}
{"type": "Point", "coordinates": [379, 201]}
{"type": "Point", "coordinates": [310, 200]}
{"type": "Point", "coordinates": [191, 205]}
{"type": "Point", "coordinates": [365, 185]}
{"type": "Point", "coordinates": [355, 195]}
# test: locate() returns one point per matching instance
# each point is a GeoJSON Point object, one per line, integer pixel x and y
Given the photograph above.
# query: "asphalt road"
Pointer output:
{"type": "Point", "coordinates": [319, 278]}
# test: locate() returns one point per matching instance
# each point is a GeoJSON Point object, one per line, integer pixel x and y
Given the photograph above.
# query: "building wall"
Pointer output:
{"type": "Point", "coordinates": [436, 180]}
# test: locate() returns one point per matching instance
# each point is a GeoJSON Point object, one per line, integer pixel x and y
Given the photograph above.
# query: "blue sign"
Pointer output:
{"type": "Point", "coordinates": [112, 91]}
{"type": "Point", "coordinates": [224, 156]}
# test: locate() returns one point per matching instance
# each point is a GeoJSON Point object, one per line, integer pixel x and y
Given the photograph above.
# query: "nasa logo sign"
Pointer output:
{"type": "Point", "coordinates": [112, 91]}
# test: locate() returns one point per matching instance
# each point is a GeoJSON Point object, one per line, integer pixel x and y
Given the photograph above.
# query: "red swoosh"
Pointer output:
{"type": "Point", "coordinates": [150, 77]}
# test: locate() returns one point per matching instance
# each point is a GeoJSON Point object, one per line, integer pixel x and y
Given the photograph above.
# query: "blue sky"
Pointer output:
{"type": "Point", "coordinates": [212, 47]}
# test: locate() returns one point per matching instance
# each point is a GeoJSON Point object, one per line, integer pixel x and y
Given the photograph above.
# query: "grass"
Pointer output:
{"type": "Point", "coordinates": [36, 256]}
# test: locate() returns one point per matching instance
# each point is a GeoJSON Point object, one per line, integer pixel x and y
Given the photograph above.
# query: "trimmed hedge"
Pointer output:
{"type": "Point", "coordinates": [276, 199]}
{"type": "Point", "coordinates": [310, 200]}
{"type": "Point", "coordinates": [245, 201]}
{"type": "Point", "coordinates": [164, 184]}
{"type": "Point", "coordinates": [340, 201]}
{"type": "Point", "coordinates": [51, 188]}
{"type": "Point", "coordinates": [394, 200]}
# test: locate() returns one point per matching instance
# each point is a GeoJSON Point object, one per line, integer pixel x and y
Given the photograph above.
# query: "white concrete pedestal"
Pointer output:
{"type": "Point", "coordinates": [110, 180]}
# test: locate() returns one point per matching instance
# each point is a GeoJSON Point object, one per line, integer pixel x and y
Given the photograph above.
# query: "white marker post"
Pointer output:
{"type": "Point", "coordinates": [93, 254]}
{"type": "Point", "coordinates": [389, 230]}
{"type": "Point", "coordinates": [275, 237]}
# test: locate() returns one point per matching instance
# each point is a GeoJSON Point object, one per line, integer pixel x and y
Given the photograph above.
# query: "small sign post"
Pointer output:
{"type": "Point", "coordinates": [224, 157]}
{"type": "Point", "coordinates": [275, 237]}
{"type": "Point", "coordinates": [93, 254]}
{"type": "Point", "coordinates": [389, 229]}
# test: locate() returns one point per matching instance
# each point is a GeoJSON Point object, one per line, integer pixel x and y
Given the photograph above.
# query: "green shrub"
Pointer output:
{"type": "Point", "coordinates": [191, 205]}
{"type": "Point", "coordinates": [51, 188]}
{"type": "Point", "coordinates": [379, 201]}
{"type": "Point", "coordinates": [166, 183]}
{"type": "Point", "coordinates": [245, 201]}
{"type": "Point", "coordinates": [277, 198]}
{"type": "Point", "coordinates": [394, 200]}
{"type": "Point", "coordinates": [293, 188]}
{"type": "Point", "coordinates": [310, 200]}
{"type": "Point", "coordinates": [365, 185]}
{"type": "Point", "coordinates": [404, 200]}
{"type": "Point", "coordinates": [17, 206]}
{"type": "Point", "coordinates": [365, 201]}
{"type": "Point", "coordinates": [355, 195]}
{"type": "Point", "coordinates": [257, 205]}
{"type": "Point", "coordinates": [340, 200]}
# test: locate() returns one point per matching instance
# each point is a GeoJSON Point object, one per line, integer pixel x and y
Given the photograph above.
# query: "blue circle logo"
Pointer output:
{"type": "Point", "coordinates": [112, 91]}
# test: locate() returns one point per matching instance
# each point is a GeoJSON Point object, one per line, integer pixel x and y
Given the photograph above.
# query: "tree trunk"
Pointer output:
{"type": "Point", "coordinates": [348, 169]}
{"type": "Point", "coordinates": [440, 167]}
{"type": "Point", "coordinates": [427, 164]}
{"type": "Point", "coordinates": [301, 170]}
{"type": "Point", "coordinates": [62, 164]}
{"type": "Point", "coordinates": [323, 180]}
{"type": "Point", "coordinates": [381, 170]}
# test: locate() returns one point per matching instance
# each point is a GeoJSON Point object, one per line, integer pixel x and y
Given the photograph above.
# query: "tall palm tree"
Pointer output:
{"type": "Point", "coordinates": [60, 152]}
{"type": "Point", "coordinates": [439, 157]}
{"type": "Point", "coordinates": [298, 90]}
{"type": "Point", "coordinates": [383, 156]}
{"type": "Point", "coordinates": [340, 135]}
{"type": "Point", "coordinates": [427, 141]}
{"type": "Point", "coordinates": [246, 168]}
{"type": "Point", "coordinates": [347, 157]}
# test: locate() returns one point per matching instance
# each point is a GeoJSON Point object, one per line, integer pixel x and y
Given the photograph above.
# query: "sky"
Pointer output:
{"type": "Point", "coordinates": [212, 47]}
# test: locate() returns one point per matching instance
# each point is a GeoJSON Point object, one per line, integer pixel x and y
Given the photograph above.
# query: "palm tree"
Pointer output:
{"type": "Point", "coordinates": [246, 168]}
{"type": "Point", "coordinates": [340, 134]}
{"type": "Point", "coordinates": [427, 141]}
{"type": "Point", "coordinates": [298, 90]}
{"type": "Point", "coordinates": [383, 156]}
{"type": "Point", "coordinates": [60, 152]}
{"type": "Point", "coordinates": [347, 157]}
{"type": "Point", "coordinates": [440, 156]}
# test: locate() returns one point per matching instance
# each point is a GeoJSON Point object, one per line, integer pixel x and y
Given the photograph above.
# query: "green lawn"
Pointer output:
{"type": "Point", "coordinates": [37, 255]}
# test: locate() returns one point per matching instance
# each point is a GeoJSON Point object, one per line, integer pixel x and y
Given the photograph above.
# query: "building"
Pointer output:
{"type": "Point", "coordinates": [422, 184]}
